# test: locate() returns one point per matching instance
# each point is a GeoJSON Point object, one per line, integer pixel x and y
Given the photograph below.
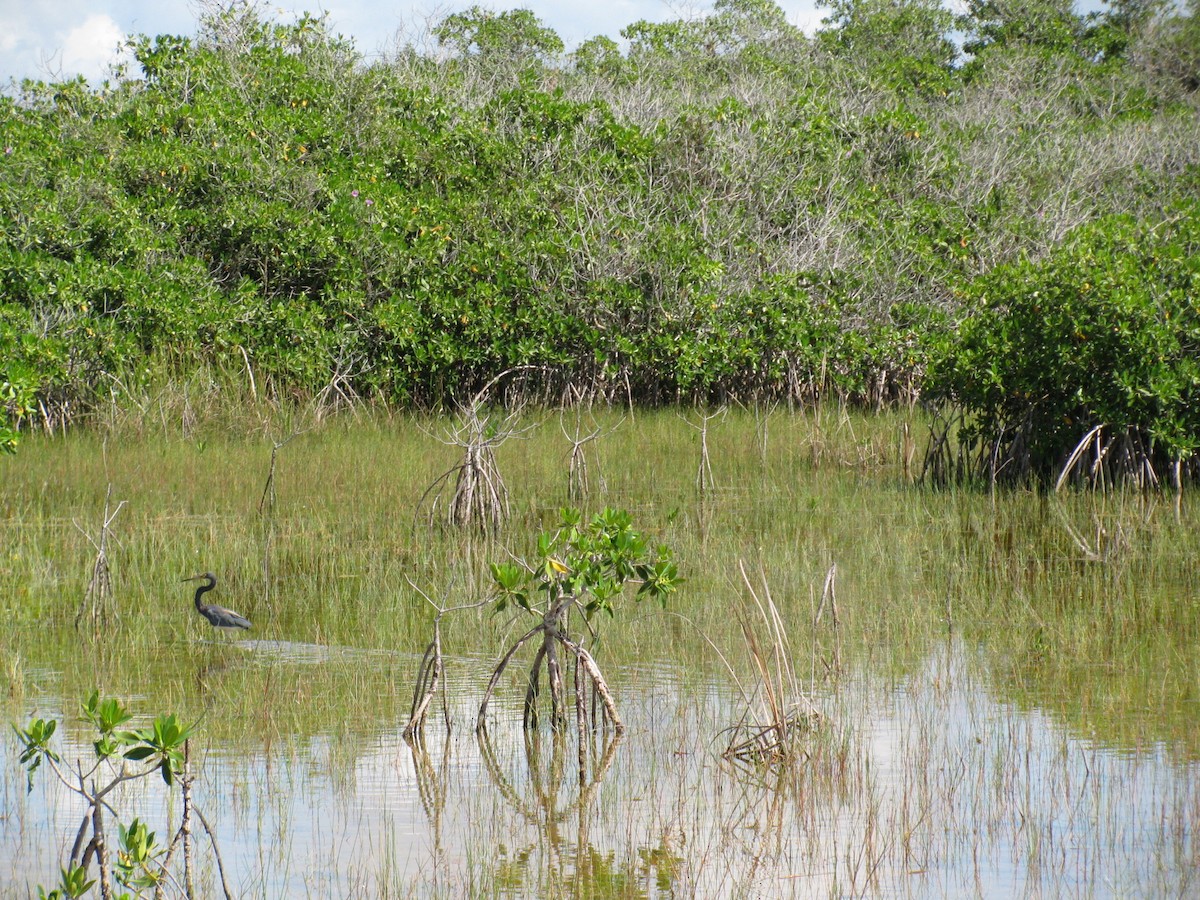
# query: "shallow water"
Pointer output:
{"type": "Point", "coordinates": [930, 786]}
{"type": "Point", "coordinates": [1009, 702]}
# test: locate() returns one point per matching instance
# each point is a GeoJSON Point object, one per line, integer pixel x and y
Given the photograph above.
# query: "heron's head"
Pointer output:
{"type": "Point", "coordinates": [203, 576]}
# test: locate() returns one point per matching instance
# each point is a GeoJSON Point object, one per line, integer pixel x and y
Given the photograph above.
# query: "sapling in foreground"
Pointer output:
{"type": "Point", "coordinates": [141, 864]}
{"type": "Point", "coordinates": [582, 568]}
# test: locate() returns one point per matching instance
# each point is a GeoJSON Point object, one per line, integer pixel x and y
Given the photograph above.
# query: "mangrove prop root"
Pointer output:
{"type": "Point", "coordinates": [481, 719]}
{"type": "Point", "coordinates": [427, 684]}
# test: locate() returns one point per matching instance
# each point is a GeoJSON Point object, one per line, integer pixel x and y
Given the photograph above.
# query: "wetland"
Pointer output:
{"type": "Point", "coordinates": [1006, 681]}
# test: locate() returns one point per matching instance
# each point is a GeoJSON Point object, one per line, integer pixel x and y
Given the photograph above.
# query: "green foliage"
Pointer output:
{"type": "Point", "coordinates": [74, 883]}
{"type": "Point", "coordinates": [512, 33]}
{"type": "Point", "coordinates": [1047, 24]}
{"type": "Point", "coordinates": [905, 45]}
{"type": "Point", "coordinates": [17, 401]}
{"type": "Point", "coordinates": [162, 744]}
{"type": "Point", "coordinates": [136, 855]}
{"type": "Point", "coordinates": [106, 716]}
{"type": "Point", "coordinates": [158, 748]}
{"type": "Point", "coordinates": [36, 745]}
{"type": "Point", "coordinates": [1105, 331]}
{"type": "Point", "coordinates": [725, 209]}
{"type": "Point", "coordinates": [589, 562]}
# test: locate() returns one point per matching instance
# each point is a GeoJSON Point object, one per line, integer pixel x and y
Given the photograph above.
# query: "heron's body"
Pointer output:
{"type": "Point", "coordinates": [218, 616]}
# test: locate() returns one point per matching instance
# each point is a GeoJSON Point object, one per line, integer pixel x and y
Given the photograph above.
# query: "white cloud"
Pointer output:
{"type": "Point", "coordinates": [62, 38]}
{"type": "Point", "coordinates": [89, 48]}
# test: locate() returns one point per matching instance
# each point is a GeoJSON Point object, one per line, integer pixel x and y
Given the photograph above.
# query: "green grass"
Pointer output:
{"type": "Point", "coordinates": [327, 563]}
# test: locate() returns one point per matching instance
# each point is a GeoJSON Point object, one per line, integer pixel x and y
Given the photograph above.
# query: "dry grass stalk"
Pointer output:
{"type": "Point", "coordinates": [829, 601]}
{"type": "Point", "coordinates": [784, 713]}
{"type": "Point", "coordinates": [907, 451]}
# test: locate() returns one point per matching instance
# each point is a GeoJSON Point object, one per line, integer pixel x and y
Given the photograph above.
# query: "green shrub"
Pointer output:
{"type": "Point", "coordinates": [1105, 331]}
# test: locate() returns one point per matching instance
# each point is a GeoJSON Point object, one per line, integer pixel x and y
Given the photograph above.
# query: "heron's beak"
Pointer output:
{"type": "Point", "coordinates": [193, 578]}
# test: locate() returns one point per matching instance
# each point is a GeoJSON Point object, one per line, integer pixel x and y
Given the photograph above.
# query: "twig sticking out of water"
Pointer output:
{"type": "Point", "coordinates": [704, 475]}
{"type": "Point", "coordinates": [183, 836]}
{"type": "Point", "coordinates": [578, 486]}
{"type": "Point", "coordinates": [762, 424]}
{"type": "Point", "coordinates": [266, 509]}
{"type": "Point", "coordinates": [428, 677]}
{"type": "Point", "coordinates": [97, 598]}
{"type": "Point", "coordinates": [430, 673]}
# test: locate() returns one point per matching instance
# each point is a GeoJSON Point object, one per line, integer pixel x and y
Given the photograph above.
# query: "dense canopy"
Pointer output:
{"type": "Point", "coordinates": [714, 208]}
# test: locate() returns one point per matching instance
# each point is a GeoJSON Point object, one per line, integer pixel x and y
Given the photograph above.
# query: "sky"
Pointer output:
{"type": "Point", "coordinates": [52, 39]}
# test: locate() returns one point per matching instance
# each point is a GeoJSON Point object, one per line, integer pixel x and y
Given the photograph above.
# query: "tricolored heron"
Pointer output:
{"type": "Point", "coordinates": [219, 616]}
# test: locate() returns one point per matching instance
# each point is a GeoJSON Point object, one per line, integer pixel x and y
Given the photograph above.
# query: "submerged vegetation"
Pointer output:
{"type": "Point", "coordinates": [722, 208]}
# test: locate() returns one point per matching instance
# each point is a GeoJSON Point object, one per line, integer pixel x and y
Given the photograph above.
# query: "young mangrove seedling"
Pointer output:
{"type": "Point", "coordinates": [140, 864]}
{"type": "Point", "coordinates": [582, 568]}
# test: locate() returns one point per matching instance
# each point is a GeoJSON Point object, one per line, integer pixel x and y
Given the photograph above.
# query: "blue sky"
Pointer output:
{"type": "Point", "coordinates": [52, 38]}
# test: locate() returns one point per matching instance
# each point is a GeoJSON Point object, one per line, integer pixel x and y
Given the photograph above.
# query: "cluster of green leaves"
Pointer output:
{"type": "Point", "coordinates": [768, 222]}
{"type": "Point", "coordinates": [157, 748]}
{"type": "Point", "coordinates": [1104, 331]}
{"type": "Point", "coordinates": [137, 853]}
{"type": "Point", "coordinates": [73, 882]}
{"type": "Point", "coordinates": [589, 562]}
{"type": "Point", "coordinates": [160, 745]}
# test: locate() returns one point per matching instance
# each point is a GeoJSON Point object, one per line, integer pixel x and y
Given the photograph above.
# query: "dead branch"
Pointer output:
{"type": "Point", "coordinates": [97, 597]}
{"type": "Point", "coordinates": [704, 475]}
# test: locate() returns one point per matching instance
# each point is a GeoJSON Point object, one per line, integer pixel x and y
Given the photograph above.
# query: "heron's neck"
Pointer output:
{"type": "Point", "coordinates": [207, 586]}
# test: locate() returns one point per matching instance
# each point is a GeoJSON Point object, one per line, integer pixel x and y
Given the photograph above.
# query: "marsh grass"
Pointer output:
{"type": "Point", "coordinates": [829, 489]}
{"type": "Point", "coordinates": [995, 649]}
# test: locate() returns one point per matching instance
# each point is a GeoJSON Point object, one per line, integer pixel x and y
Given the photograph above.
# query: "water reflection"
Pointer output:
{"type": "Point", "coordinates": [551, 802]}
{"type": "Point", "coordinates": [933, 783]}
